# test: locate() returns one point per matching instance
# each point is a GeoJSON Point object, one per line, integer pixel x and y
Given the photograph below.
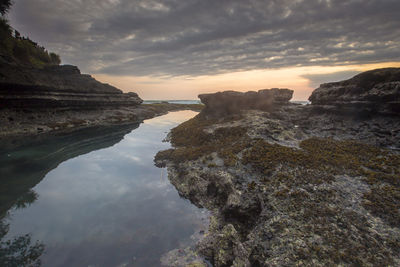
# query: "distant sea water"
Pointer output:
{"type": "Point", "coordinates": [304, 102]}
{"type": "Point", "coordinates": [172, 101]}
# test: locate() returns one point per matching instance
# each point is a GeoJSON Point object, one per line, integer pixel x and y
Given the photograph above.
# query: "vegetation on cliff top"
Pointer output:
{"type": "Point", "coordinates": [5, 5]}
{"type": "Point", "coordinates": [16, 48]}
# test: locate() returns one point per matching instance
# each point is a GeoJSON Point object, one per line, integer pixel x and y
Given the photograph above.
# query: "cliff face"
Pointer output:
{"type": "Point", "coordinates": [376, 91]}
{"type": "Point", "coordinates": [57, 87]}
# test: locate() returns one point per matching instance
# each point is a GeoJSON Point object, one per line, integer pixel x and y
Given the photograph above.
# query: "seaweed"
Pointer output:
{"type": "Point", "coordinates": [299, 182]}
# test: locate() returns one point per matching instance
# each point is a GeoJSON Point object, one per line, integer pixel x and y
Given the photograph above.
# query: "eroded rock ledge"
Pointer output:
{"type": "Point", "coordinates": [62, 87]}
{"type": "Point", "coordinates": [60, 98]}
{"type": "Point", "coordinates": [291, 185]}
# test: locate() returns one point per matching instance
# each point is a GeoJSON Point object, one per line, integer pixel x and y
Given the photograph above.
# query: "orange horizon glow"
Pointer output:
{"type": "Point", "coordinates": [188, 88]}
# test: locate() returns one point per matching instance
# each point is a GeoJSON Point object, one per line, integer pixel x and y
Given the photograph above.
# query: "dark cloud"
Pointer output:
{"type": "Point", "coordinates": [196, 37]}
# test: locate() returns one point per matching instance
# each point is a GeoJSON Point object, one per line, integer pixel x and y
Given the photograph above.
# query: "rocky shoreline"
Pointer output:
{"type": "Point", "coordinates": [292, 185]}
{"type": "Point", "coordinates": [61, 99]}
{"type": "Point", "coordinates": [27, 122]}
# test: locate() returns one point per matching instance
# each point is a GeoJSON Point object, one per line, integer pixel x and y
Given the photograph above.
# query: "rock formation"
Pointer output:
{"type": "Point", "coordinates": [59, 98]}
{"type": "Point", "coordinates": [231, 102]}
{"type": "Point", "coordinates": [293, 186]}
{"type": "Point", "coordinates": [376, 91]}
{"type": "Point", "coordinates": [54, 86]}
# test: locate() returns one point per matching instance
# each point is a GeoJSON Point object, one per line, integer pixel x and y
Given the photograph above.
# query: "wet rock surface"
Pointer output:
{"type": "Point", "coordinates": [292, 186]}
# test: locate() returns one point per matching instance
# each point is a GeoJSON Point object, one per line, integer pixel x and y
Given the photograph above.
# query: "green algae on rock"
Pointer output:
{"type": "Point", "coordinates": [290, 196]}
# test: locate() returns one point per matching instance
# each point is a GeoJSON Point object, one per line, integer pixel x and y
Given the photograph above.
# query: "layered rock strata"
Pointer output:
{"type": "Point", "coordinates": [60, 98]}
{"type": "Point", "coordinates": [61, 87]}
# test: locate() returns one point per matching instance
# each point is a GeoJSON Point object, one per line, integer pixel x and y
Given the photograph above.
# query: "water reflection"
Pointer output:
{"type": "Point", "coordinates": [19, 251]}
{"type": "Point", "coordinates": [110, 207]}
{"type": "Point", "coordinates": [24, 162]}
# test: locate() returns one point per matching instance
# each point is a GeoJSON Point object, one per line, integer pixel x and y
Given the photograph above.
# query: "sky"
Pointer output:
{"type": "Point", "coordinates": [177, 49]}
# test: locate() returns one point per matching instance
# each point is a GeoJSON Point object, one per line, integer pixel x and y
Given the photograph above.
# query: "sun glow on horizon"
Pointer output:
{"type": "Point", "coordinates": [184, 87]}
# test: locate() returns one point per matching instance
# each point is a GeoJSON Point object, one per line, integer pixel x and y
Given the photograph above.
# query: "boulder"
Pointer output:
{"type": "Point", "coordinates": [375, 91]}
{"type": "Point", "coordinates": [231, 102]}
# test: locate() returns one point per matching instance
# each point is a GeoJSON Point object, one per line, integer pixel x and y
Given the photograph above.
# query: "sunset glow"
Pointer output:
{"type": "Point", "coordinates": [156, 88]}
{"type": "Point", "coordinates": [179, 49]}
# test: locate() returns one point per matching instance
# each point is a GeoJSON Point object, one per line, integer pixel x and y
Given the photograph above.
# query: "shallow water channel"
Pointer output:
{"type": "Point", "coordinates": [94, 197]}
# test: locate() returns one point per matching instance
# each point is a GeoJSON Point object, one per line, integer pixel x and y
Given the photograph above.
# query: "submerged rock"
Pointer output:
{"type": "Point", "coordinates": [230, 102]}
{"type": "Point", "coordinates": [374, 91]}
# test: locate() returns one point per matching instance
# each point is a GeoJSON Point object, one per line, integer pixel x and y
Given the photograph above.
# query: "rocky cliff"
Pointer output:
{"type": "Point", "coordinates": [59, 98]}
{"type": "Point", "coordinates": [374, 91]}
{"type": "Point", "coordinates": [54, 86]}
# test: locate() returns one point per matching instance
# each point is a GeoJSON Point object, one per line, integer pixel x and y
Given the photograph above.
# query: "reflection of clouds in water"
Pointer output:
{"type": "Point", "coordinates": [133, 158]}
{"type": "Point", "coordinates": [163, 185]}
{"type": "Point", "coordinates": [93, 167]}
{"type": "Point", "coordinates": [171, 118]}
{"type": "Point", "coordinates": [108, 202]}
{"type": "Point", "coordinates": [132, 141]}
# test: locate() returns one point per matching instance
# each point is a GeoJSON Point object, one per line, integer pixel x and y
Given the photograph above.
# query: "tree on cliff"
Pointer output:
{"type": "Point", "coordinates": [21, 49]}
{"type": "Point", "coordinates": [55, 59]}
{"type": "Point", "coordinates": [5, 6]}
{"type": "Point", "coordinates": [5, 28]}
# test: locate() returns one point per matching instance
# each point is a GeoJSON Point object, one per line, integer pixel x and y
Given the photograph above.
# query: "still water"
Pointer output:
{"type": "Point", "coordinates": [95, 198]}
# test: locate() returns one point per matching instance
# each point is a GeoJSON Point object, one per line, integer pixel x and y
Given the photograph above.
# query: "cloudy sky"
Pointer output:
{"type": "Point", "coordinates": [175, 49]}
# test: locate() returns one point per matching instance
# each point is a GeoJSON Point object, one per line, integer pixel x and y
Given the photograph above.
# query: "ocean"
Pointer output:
{"type": "Point", "coordinates": [302, 102]}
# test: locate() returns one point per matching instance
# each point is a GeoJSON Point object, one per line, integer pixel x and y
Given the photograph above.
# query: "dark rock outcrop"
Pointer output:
{"type": "Point", "coordinates": [57, 87]}
{"type": "Point", "coordinates": [376, 91]}
{"type": "Point", "coordinates": [60, 99]}
{"type": "Point", "coordinates": [230, 102]}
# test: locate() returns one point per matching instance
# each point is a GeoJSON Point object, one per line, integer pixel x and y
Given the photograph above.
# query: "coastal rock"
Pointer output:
{"type": "Point", "coordinates": [33, 121]}
{"type": "Point", "coordinates": [280, 201]}
{"type": "Point", "coordinates": [59, 98]}
{"type": "Point", "coordinates": [375, 91]}
{"type": "Point", "coordinates": [292, 186]}
{"type": "Point", "coordinates": [62, 87]}
{"type": "Point", "coordinates": [230, 102]}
